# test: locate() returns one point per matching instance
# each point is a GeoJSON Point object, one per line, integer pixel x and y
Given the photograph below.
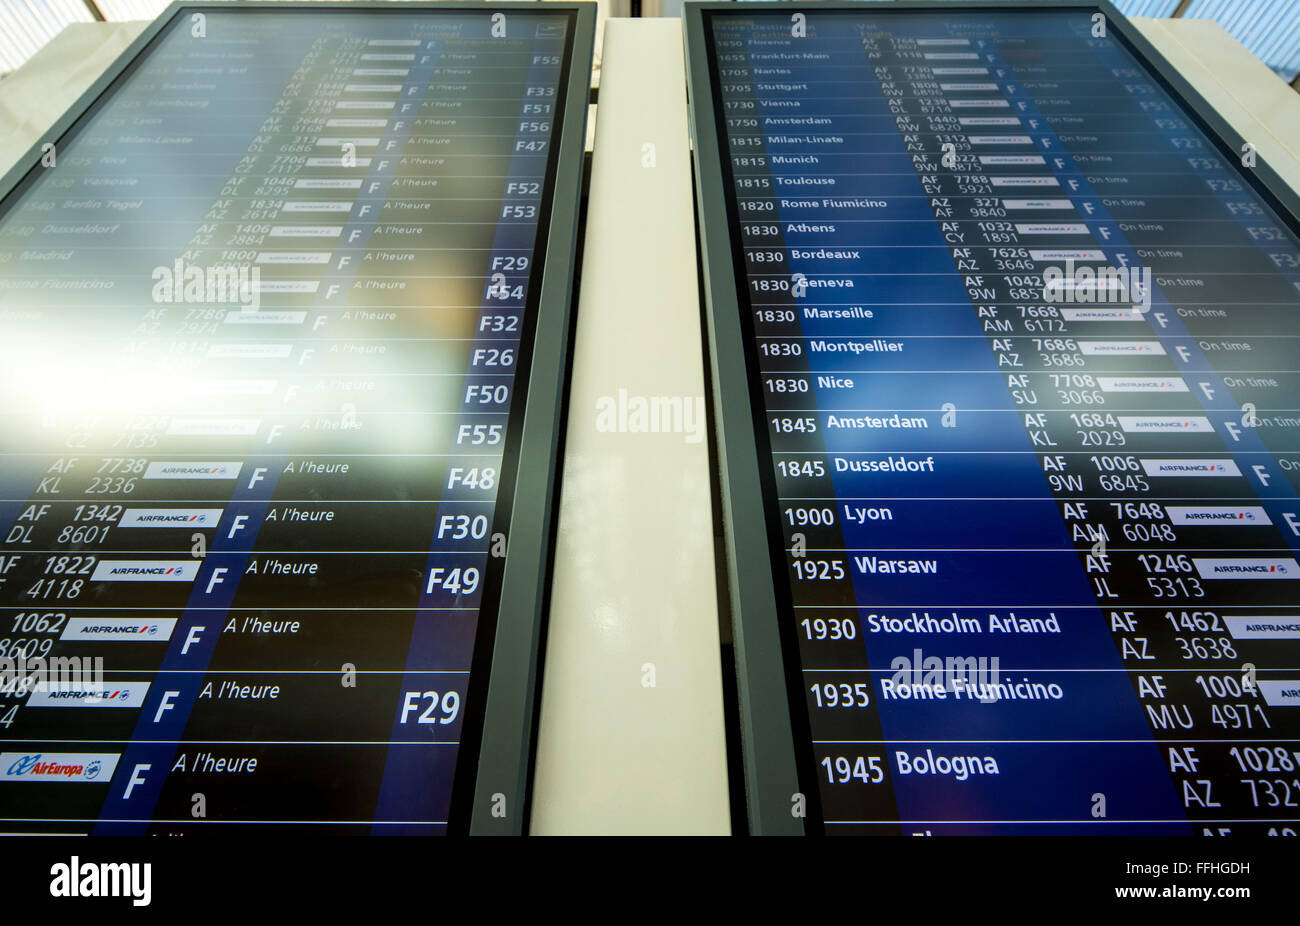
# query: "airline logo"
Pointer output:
{"type": "Point", "coordinates": [1011, 159]}
{"type": "Point", "coordinates": [1190, 468]}
{"type": "Point", "coordinates": [282, 286]}
{"type": "Point", "coordinates": [1037, 204]}
{"type": "Point", "coordinates": [58, 766]}
{"type": "Point", "coordinates": [1024, 181]}
{"type": "Point", "coordinates": [305, 231]}
{"type": "Point", "coordinates": [1280, 694]}
{"type": "Point", "coordinates": [1109, 348]}
{"type": "Point", "coordinates": [293, 257]}
{"type": "Point", "coordinates": [1263, 628]}
{"type": "Point", "coordinates": [203, 470]}
{"type": "Point", "coordinates": [130, 694]}
{"type": "Point", "coordinates": [1142, 384]}
{"type": "Point", "coordinates": [145, 570]}
{"type": "Point", "coordinates": [266, 318]}
{"type": "Point", "coordinates": [1228, 516]}
{"type": "Point", "coordinates": [1060, 255]}
{"type": "Point", "coordinates": [1246, 568]}
{"type": "Point", "coordinates": [1101, 315]}
{"type": "Point", "coordinates": [339, 162]}
{"type": "Point", "coordinates": [1165, 424]}
{"type": "Point", "coordinates": [331, 183]}
{"type": "Point", "coordinates": [1052, 228]}
{"type": "Point", "coordinates": [170, 517]}
{"type": "Point", "coordinates": [1059, 285]}
{"type": "Point", "coordinates": [309, 206]}
{"type": "Point", "coordinates": [119, 629]}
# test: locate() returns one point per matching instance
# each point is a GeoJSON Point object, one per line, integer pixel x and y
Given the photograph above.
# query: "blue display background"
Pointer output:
{"type": "Point", "coordinates": [989, 503]}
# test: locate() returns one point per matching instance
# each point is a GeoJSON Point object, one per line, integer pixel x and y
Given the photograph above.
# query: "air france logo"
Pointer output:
{"type": "Point", "coordinates": [76, 878]}
{"type": "Point", "coordinates": [119, 629]}
{"type": "Point", "coordinates": [144, 571]}
{"type": "Point", "coordinates": [1231, 517]}
{"type": "Point", "coordinates": [197, 470]}
{"type": "Point", "coordinates": [84, 695]}
{"type": "Point", "coordinates": [1190, 468]}
{"type": "Point", "coordinates": [1165, 423]}
{"type": "Point", "coordinates": [1245, 568]}
{"type": "Point", "coordinates": [170, 517]}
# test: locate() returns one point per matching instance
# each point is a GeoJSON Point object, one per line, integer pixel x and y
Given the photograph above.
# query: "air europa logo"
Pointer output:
{"type": "Point", "coordinates": [76, 878]}
{"type": "Point", "coordinates": [57, 766]}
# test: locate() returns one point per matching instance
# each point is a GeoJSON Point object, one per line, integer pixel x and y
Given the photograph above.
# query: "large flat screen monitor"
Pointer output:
{"type": "Point", "coordinates": [1005, 332]}
{"type": "Point", "coordinates": [283, 324]}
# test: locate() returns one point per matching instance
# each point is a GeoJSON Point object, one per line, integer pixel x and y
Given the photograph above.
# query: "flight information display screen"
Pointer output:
{"type": "Point", "coordinates": [266, 316]}
{"type": "Point", "coordinates": [1022, 347]}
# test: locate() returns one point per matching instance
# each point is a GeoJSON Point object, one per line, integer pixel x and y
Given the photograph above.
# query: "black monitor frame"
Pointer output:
{"type": "Point", "coordinates": [772, 710]}
{"type": "Point", "coordinates": [494, 768]}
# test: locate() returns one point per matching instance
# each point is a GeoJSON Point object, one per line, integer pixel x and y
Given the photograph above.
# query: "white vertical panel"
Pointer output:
{"type": "Point", "coordinates": [634, 590]}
